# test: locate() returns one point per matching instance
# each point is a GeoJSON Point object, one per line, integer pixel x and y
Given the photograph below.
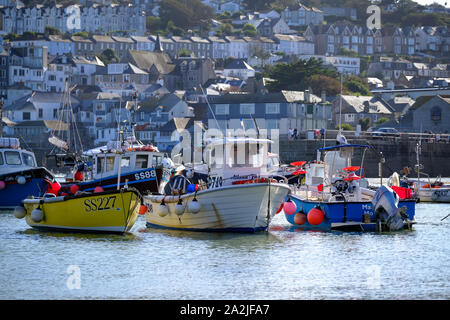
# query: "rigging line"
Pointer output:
{"type": "Point", "coordinates": [210, 109]}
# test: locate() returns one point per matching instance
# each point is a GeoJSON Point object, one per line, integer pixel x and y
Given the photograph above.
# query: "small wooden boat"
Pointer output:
{"type": "Point", "coordinates": [109, 211]}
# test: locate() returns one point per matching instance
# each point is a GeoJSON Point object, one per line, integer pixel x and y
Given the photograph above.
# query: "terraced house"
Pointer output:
{"type": "Point", "coordinates": [94, 18]}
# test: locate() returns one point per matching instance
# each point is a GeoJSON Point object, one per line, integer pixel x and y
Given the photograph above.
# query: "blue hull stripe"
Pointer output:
{"type": "Point", "coordinates": [115, 184]}
{"type": "Point", "coordinates": [246, 230]}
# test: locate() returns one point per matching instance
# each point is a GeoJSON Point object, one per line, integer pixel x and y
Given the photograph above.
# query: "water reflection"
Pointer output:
{"type": "Point", "coordinates": [110, 237]}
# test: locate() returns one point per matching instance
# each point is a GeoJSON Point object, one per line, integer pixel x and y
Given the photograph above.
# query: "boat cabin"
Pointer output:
{"type": "Point", "coordinates": [12, 157]}
{"type": "Point", "coordinates": [106, 163]}
{"type": "Point", "coordinates": [234, 159]}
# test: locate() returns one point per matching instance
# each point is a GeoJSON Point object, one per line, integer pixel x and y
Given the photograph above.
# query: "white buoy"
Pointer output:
{"type": "Point", "coordinates": [19, 212]}
{"type": "Point", "coordinates": [194, 206]}
{"type": "Point", "coordinates": [179, 208]}
{"type": "Point", "coordinates": [21, 179]}
{"type": "Point", "coordinates": [162, 210]}
{"type": "Point", "coordinates": [37, 215]}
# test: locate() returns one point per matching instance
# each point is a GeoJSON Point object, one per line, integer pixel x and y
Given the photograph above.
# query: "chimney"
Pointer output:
{"type": "Point", "coordinates": [307, 96]}
{"type": "Point", "coordinates": [323, 96]}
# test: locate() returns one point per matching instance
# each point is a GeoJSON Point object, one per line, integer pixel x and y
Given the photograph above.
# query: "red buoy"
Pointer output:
{"type": "Point", "coordinates": [56, 186]}
{"type": "Point", "coordinates": [289, 207]}
{"type": "Point", "coordinates": [280, 208]}
{"type": "Point", "coordinates": [300, 218]}
{"type": "Point", "coordinates": [74, 188]}
{"type": "Point", "coordinates": [315, 216]}
{"type": "Point", "coordinates": [98, 189]}
{"type": "Point", "coordinates": [78, 176]}
{"type": "Point", "coordinates": [142, 209]}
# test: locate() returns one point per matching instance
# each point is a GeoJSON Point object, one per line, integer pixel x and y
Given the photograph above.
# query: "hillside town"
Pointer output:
{"type": "Point", "coordinates": [226, 71]}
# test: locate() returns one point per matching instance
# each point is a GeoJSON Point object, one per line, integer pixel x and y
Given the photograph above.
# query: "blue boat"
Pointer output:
{"type": "Point", "coordinates": [336, 196]}
{"type": "Point", "coordinates": [20, 177]}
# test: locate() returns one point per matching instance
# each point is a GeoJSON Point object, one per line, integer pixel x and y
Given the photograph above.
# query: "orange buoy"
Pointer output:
{"type": "Point", "coordinates": [300, 218]}
{"type": "Point", "coordinates": [315, 216]}
{"type": "Point", "coordinates": [143, 209]}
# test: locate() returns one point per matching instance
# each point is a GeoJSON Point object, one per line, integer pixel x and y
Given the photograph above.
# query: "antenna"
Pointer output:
{"type": "Point", "coordinates": [210, 109]}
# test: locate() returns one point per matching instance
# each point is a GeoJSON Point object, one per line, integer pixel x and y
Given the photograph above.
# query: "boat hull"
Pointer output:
{"type": "Point", "coordinates": [344, 216]}
{"type": "Point", "coordinates": [146, 180]}
{"type": "Point", "coordinates": [434, 195]}
{"type": "Point", "coordinates": [36, 185]}
{"type": "Point", "coordinates": [110, 212]}
{"type": "Point", "coordinates": [236, 208]}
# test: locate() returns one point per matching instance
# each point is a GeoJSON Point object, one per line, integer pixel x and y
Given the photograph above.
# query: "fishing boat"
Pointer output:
{"type": "Point", "coordinates": [232, 191]}
{"type": "Point", "coordinates": [102, 212]}
{"type": "Point", "coordinates": [423, 188]}
{"type": "Point", "coordinates": [19, 174]}
{"type": "Point", "coordinates": [336, 196]}
{"type": "Point", "coordinates": [120, 163]}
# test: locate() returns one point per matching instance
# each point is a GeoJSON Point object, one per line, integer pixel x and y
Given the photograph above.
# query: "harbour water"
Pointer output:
{"type": "Point", "coordinates": [282, 263]}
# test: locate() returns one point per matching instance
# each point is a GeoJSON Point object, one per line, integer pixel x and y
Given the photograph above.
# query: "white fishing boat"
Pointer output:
{"type": "Point", "coordinates": [423, 188]}
{"type": "Point", "coordinates": [228, 194]}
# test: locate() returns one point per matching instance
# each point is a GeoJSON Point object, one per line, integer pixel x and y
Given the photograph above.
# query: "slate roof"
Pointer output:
{"type": "Point", "coordinates": [145, 60]}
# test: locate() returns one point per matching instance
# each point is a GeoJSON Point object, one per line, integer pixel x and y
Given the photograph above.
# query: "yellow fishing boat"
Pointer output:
{"type": "Point", "coordinates": [110, 211]}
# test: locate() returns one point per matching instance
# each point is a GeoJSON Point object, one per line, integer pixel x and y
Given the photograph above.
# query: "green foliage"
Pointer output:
{"type": "Point", "coordinates": [345, 127]}
{"type": "Point", "coordinates": [319, 83]}
{"type": "Point", "coordinates": [357, 85]}
{"type": "Point", "coordinates": [347, 53]}
{"type": "Point", "coordinates": [249, 30]}
{"type": "Point", "coordinates": [225, 29]}
{"type": "Point", "coordinates": [381, 121]}
{"type": "Point", "coordinates": [109, 56]}
{"type": "Point", "coordinates": [12, 36]}
{"type": "Point", "coordinates": [184, 53]}
{"type": "Point", "coordinates": [365, 123]}
{"type": "Point", "coordinates": [256, 5]}
{"type": "Point", "coordinates": [296, 75]}
{"type": "Point", "coordinates": [83, 34]}
{"type": "Point", "coordinates": [186, 14]}
{"type": "Point", "coordinates": [172, 28]}
{"type": "Point", "coordinates": [52, 31]}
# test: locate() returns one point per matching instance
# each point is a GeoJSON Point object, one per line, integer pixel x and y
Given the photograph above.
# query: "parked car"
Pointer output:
{"type": "Point", "coordinates": [385, 132]}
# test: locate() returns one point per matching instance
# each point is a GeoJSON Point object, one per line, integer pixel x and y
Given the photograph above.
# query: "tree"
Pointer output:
{"type": "Point", "coordinates": [249, 30]}
{"type": "Point", "coordinates": [184, 53]}
{"type": "Point", "coordinates": [365, 123]}
{"type": "Point", "coordinates": [109, 56]}
{"type": "Point", "coordinates": [256, 5]}
{"type": "Point", "coordinates": [320, 83]}
{"type": "Point", "coordinates": [186, 14]}
{"type": "Point", "coordinates": [357, 85]}
{"type": "Point", "coordinates": [225, 29]}
{"type": "Point", "coordinates": [381, 121]}
{"type": "Point", "coordinates": [52, 31]}
{"type": "Point", "coordinates": [345, 127]}
{"type": "Point", "coordinates": [296, 75]}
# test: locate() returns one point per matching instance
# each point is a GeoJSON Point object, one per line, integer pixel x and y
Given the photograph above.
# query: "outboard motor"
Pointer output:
{"type": "Point", "coordinates": [385, 206]}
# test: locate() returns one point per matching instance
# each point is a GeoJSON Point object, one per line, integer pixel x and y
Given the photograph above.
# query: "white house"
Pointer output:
{"type": "Point", "coordinates": [238, 47]}
{"type": "Point", "coordinates": [294, 45]}
{"type": "Point", "coordinates": [238, 68]}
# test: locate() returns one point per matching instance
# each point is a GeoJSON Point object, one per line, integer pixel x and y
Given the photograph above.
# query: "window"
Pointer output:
{"type": "Point", "coordinates": [100, 162]}
{"type": "Point", "coordinates": [12, 157]}
{"type": "Point", "coordinates": [1, 158]}
{"type": "Point", "coordinates": [272, 124]}
{"type": "Point", "coordinates": [247, 108]}
{"type": "Point", "coordinates": [272, 108]}
{"type": "Point", "coordinates": [436, 114]}
{"type": "Point", "coordinates": [222, 109]}
{"type": "Point", "coordinates": [26, 116]}
{"type": "Point", "coordinates": [40, 113]}
{"type": "Point", "coordinates": [141, 161]}
{"type": "Point", "coordinates": [349, 117]}
{"type": "Point", "coordinates": [109, 163]}
{"type": "Point", "coordinates": [55, 113]}
{"type": "Point", "coordinates": [156, 161]}
{"type": "Point", "coordinates": [125, 162]}
{"type": "Point", "coordinates": [28, 160]}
